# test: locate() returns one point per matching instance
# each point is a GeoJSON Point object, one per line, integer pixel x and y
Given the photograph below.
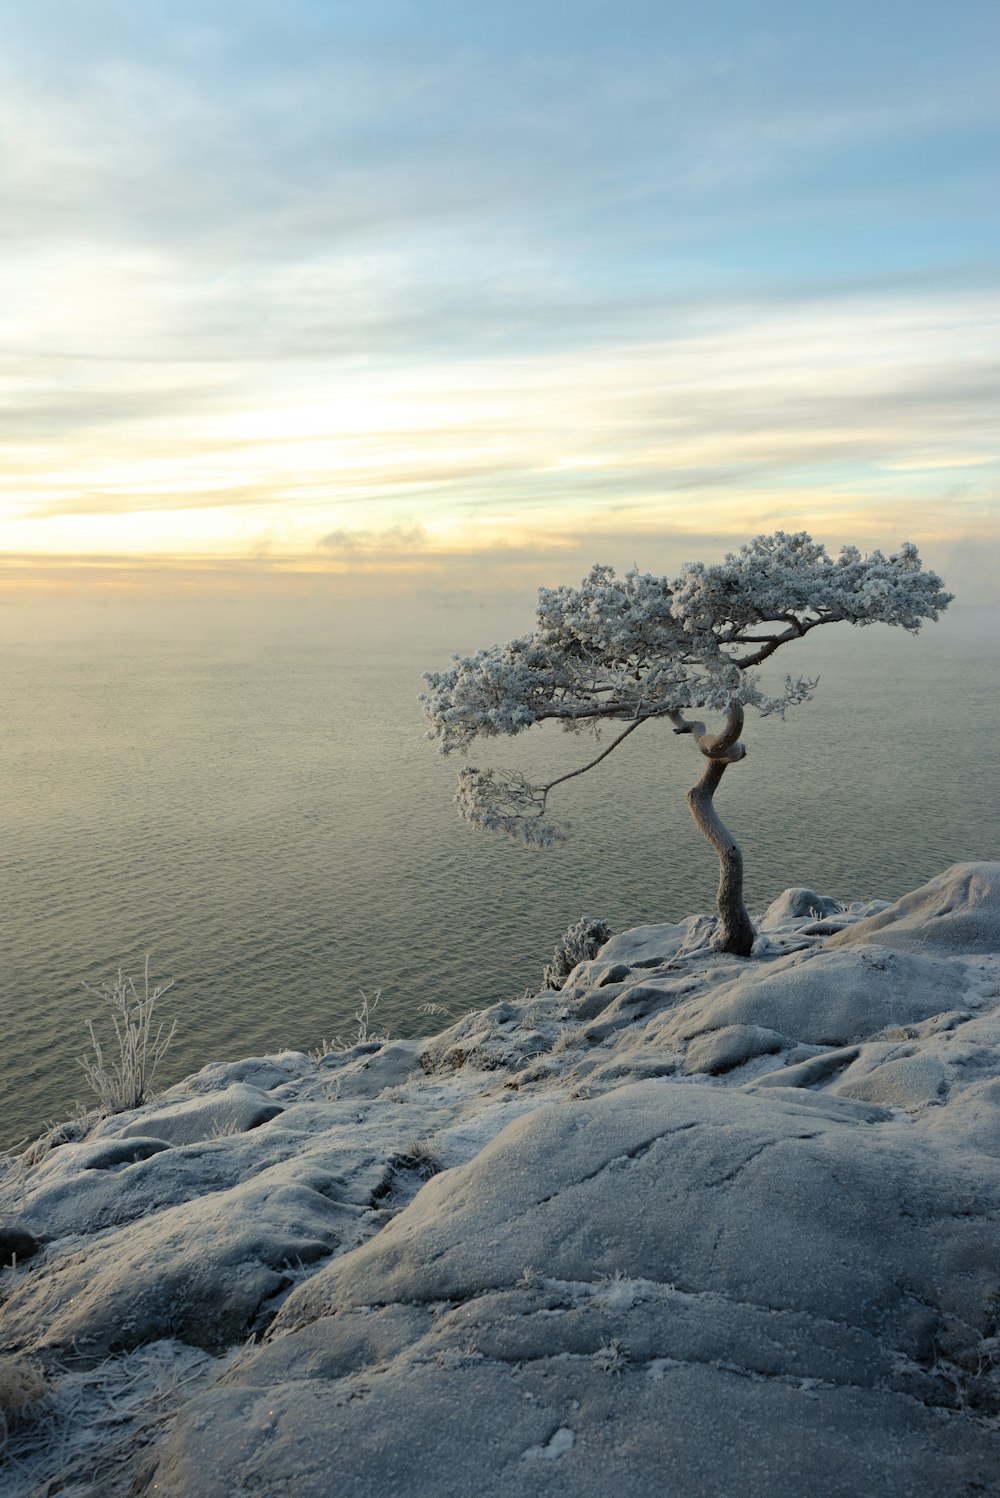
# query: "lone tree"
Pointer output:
{"type": "Point", "coordinates": [638, 648]}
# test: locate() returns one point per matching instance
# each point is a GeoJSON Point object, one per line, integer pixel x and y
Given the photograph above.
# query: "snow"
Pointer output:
{"type": "Point", "coordinates": [688, 1214]}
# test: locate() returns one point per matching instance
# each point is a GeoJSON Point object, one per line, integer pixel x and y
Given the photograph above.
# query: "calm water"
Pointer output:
{"type": "Point", "coordinates": [266, 818]}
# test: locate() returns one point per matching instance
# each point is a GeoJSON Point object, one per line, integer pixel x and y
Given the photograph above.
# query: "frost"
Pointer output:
{"type": "Point", "coordinates": [632, 649]}
{"type": "Point", "coordinates": [580, 943]}
{"type": "Point", "coordinates": [558, 1445]}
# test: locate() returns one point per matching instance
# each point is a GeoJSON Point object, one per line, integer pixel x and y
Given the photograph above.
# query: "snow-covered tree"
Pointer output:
{"type": "Point", "coordinates": [638, 648]}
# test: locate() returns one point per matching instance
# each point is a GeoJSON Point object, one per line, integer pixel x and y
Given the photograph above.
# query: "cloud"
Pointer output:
{"type": "Point", "coordinates": [277, 275]}
{"type": "Point", "coordinates": [391, 540]}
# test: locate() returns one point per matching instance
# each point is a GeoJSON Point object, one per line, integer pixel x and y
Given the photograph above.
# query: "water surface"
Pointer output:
{"type": "Point", "coordinates": [263, 814]}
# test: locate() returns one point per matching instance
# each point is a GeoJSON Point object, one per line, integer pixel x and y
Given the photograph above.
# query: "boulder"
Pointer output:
{"type": "Point", "coordinates": [957, 913]}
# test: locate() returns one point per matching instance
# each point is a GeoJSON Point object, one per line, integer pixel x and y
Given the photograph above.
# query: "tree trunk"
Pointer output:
{"type": "Point", "coordinates": [735, 931]}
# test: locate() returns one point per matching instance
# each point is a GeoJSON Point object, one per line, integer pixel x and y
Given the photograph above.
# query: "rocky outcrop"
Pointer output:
{"type": "Point", "coordinates": [690, 1225]}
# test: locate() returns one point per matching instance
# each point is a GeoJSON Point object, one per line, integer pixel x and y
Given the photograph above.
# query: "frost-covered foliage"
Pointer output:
{"type": "Point", "coordinates": [578, 944]}
{"type": "Point", "coordinates": [505, 801]}
{"type": "Point", "coordinates": [634, 648]}
{"type": "Point", "coordinates": [791, 579]}
{"type": "Point", "coordinates": [126, 1080]}
{"type": "Point", "coordinates": [363, 1035]}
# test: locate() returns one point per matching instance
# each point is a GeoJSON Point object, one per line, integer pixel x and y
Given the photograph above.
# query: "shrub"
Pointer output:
{"type": "Point", "coordinates": [578, 944]}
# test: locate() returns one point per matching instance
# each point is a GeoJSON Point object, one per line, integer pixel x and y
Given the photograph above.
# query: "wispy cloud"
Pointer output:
{"type": "Point", "coordinates": [392, 540]}
{"type": "Point", "coordinates": [360, 285]}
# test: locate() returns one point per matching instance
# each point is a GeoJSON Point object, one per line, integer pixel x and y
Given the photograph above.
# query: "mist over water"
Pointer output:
{"type": "Point", "coordinates": [258, 808]}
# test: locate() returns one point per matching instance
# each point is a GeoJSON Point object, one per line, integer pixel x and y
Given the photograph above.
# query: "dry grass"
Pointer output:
{"type": "Point", "coordinates": [21, 1387]}
{"type": "Point", "coordinates": [125, 1082]}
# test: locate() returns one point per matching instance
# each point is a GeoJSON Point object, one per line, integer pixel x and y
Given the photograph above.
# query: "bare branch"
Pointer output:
{"type": "Point", "coordinates": [603, 755]}
{"type": "Point", "coordinates": [723, 746]}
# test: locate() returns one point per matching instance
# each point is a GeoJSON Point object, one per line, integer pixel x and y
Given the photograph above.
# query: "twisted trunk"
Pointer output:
{"type": "Point", "coordinates": [735, 931]}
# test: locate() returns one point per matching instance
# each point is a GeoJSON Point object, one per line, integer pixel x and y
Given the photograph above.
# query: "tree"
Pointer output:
{"type": "Point", "coordinates": [641, 648]}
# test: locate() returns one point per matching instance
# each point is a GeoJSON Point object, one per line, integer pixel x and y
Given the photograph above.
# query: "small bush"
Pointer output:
{"type": "Point", "coordinates": [578, 944]}
{"type": "Point", "coordinates": [125, 1083]}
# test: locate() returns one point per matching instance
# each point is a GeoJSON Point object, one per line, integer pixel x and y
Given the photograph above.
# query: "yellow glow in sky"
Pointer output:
{"type": "Point", "coordinates": [276, 291]}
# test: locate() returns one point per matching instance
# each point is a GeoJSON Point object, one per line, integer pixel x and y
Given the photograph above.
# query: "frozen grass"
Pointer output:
{"type": "Point", "coordinates": [364, 1035]}
{"type": "Point", "coordinates": [125, 1082]}
{"type": "Point", "coordinates": [21, 1387]}
{"type": "Point", "coordinates": [420, 1158]}
{"type": "Point", "coordinates": [89, 1426]}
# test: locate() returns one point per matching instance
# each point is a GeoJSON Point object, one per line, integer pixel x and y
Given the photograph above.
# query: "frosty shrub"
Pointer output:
{"type": "Point", "coordinates": [124, 1082]}
{"type": "Point", "coordinates": [578, 944]}
{"type": "Point", "coordinates": [636, 649]}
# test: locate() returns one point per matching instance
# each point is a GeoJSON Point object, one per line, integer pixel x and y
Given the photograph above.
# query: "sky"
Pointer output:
{"type": "Point", "coordinates": [448, 300]}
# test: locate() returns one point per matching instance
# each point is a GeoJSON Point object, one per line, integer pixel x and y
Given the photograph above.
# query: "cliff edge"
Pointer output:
{"type": "Point", "coordinates": [688, 1225]}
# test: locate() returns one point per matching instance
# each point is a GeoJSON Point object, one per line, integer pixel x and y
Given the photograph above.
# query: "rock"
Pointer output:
{"type": "Point", "coordinates": [812, 1071]}
{"type": "Point", "coordinates": [643, 946]}
{"type": "Point", "coordinates": [711, 1273]}
{"type": "Point", "coordinates": [822, 997]}
{"type": "Point", "coordinates": [199, 1272]}
{"type": "Point", "coordinates": [732, 1046]}
{"type": "Point", "coordinates": [956, 913]}
{"type": "Point", "coordinates": [632, 1181]}
{"type": "Point", "coordinates": [263, 1072]}
{"type": "Point", "coordinates": [700, 1224]}
{"type": "Point", "coordinates": [798, 904]}
{"type": "Point", "coordinates": [895, 1081]}
{"type": "Point", "coordinates": [234, 1110]}
{"type": "Point", "coordinates": [16, 1244]}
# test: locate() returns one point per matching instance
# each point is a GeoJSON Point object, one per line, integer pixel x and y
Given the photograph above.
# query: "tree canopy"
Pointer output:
{"type": "Point", "coordinates": [634, 648]}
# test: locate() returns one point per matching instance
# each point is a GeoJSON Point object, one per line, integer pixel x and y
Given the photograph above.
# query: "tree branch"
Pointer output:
{"type": "Point", "coordinates": [725, 746]}
{"type": "Point", "coordinates": [776, 640]}
{"type": "Point", "coordinates": [603, 710]}
{"type": "Point", "coordinates": [584, 768]}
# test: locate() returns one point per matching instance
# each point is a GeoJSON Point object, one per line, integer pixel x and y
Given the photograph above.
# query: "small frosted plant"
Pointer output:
{"type": "Point", "coordinates": [125, 1081]}
{"type": "Point", "coordinates": [578, 944]}
{"type": "Point", "coordinates": [613, 1357]}
{"type": "Point", "coordinates": [364, 1035]}
{"type": "Point", "coordinates": [419, 1157]}
{"type": "Point", "coordinates": [21, 1386]}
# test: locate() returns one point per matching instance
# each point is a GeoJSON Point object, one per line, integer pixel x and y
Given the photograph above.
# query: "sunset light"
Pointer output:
{"type": "Point", "coordinates": [642, 291]}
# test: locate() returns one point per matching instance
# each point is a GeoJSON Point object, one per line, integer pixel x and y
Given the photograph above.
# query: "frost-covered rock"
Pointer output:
{"type": "Point", "coordinates": [732, 1045]}
{"type": "Point", "coordinates": [231, 1111]}
{"type": "Point", "coordinates": [957, 913]}
{"type": "Point", "coordinates": [714, 1250]}
{"type": "Point", "coordinates": [822, 997]}
{"type": "Point", "coordinates": [735, 1222]}
{"type": "Point", "coordinates": [796, 904]}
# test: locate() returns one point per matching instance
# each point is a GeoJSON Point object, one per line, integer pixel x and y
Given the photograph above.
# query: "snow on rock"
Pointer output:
{"type": "Point", "coordinates": [794, 904]}
{"type": "Point", "coordinates": [823, 997]}
{"type": "Point", "coordinates": [773, 1315]}
{"type": "Point", "coordinates": [735, 1222]}
{"type": "Point", "coordinates": [231, 1111]}
{"type": "Point", "coordinates": [956, 913]}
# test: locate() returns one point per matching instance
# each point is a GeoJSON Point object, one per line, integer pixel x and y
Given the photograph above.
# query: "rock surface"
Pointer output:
{"type": "Point", "coordinates": [691, 1224]}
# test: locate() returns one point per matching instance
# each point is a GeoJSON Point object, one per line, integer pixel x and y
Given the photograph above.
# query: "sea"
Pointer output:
{"type": "Point", "coordinates": [252, 802]}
